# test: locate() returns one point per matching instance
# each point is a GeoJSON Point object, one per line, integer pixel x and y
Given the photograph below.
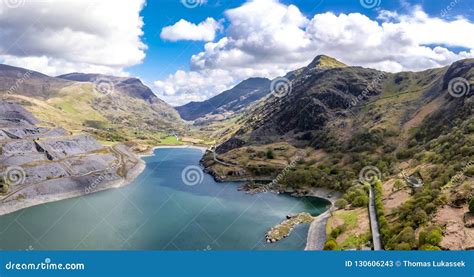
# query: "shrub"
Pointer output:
{"type": "Point", "coordinates": [402, 246]}
{"type": "Point", "coordinates": [398, 185]}
{"type": "Point", "coordinates": [360, 201]}
{"type": "Point", "coordinates": [270, 154]}
{"type": "Point", "coordinates": [330, 245]}
{"type": "Point", "coordinates": [429, 247]}
{"type": "Point", "coordinates": [337, 231]}
{"type": "Point", "coordinates": [471, 206]}
{"type": "Point", "coordinates": [431, 236]}
{"type": "Point", "coordinates": [341, 203]}
{"type": "Point", "coordinates": [469, 171]}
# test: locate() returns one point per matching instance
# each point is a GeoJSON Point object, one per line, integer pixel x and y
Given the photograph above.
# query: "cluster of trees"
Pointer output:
{"type": "Point", "coordinates": [366, 141]}
{"type": "Point", "coordinates": [411, 215]}
{"type": "Point", "coordinates": [380, 210]}
{"type": "Point", "coordinates": [357, 196]}
{"type": "Point", "coordinates": [263, 170]}
{"type": "Point", "coordinates": [321, 176]}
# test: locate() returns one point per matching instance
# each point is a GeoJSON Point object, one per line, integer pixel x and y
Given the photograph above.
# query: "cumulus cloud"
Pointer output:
{"type": "Point", "coordinates": [184, 30]}
{"type": "Point", "coordinates": [56, 36]}
{"type": "Point", "coordinates": [267, 38]}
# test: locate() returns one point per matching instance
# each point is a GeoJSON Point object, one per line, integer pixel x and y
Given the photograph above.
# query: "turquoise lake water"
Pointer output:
{"type": "Point", "coordinates": [158, 211]}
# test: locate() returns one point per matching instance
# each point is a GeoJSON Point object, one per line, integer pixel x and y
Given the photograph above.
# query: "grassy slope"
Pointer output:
{"type": "Point", "coordinates": [72, 108]}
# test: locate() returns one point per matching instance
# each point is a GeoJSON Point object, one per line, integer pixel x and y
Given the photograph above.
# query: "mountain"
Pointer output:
{"type": "Point", "coordinates": [132, 87]}
{"type": "Point", "coordinates": [230, 101]}
{"type": "Point", "coordinates": [407, 136]}
{"type": "Point", "coordinates": [107, 107]}
{"type": "Point", "coordinates": [248, 92]}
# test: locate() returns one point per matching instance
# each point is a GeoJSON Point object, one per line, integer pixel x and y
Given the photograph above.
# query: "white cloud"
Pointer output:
{"type": "Point", "coordinates": [184, 30]}
{"type": "Point", "coordinates": [57, 36]}
{"type": "Point", "coordinates": [267, 38]}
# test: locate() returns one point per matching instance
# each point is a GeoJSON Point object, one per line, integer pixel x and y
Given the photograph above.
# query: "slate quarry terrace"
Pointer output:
{"type": "Point", "coordinates": [51, 163]}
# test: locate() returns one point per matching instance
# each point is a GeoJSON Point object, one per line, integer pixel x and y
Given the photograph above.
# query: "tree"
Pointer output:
{"type": "Point", "coordinates": [398, 185]}
{"type": "Point", "coordinates": [270, 154]}
{"type": "Point", "coordinates": [431, 236]}
{"type": "Point", "coordinates": [341, 203]}
{"type": "Point", "coordinates": [471, 206]}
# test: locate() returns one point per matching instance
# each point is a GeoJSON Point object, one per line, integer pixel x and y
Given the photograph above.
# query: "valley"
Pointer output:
{"type": "Point", "coordinates": [407, 136]}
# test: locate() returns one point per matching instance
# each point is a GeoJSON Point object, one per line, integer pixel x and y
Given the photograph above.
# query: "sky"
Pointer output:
{"type": "Point", "coordinates": [191, 50]}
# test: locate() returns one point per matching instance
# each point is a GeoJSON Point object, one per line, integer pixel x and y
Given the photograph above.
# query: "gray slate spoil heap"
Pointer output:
{"type": "Point", "coordinates": [39, 163]}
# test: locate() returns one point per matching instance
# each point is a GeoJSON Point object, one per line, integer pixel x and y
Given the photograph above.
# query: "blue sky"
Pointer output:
{"type": "Point", "coordinates": [164, 57]}
{"type": "Point", "coordinates": [191, 54]}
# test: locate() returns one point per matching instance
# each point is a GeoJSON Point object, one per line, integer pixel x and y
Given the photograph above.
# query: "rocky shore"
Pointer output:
{"type": "Point", "coordinates": [65, 189]}
{"type": "Point", "coordinates": [317, 231]}
{"type": "Point", "coordinates": [285, 228]}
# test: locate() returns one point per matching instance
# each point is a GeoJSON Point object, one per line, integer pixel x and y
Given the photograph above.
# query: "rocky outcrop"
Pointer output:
{"type": "Point", "coordinates": [285, 228]}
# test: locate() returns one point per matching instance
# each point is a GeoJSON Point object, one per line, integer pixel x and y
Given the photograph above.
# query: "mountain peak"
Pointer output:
{"type": "Point", "coordinates": [325, 62]}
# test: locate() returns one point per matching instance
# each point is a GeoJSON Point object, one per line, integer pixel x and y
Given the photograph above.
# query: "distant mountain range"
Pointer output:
{"type": "Point", "coordinates": [246, 93]}
{"type": "Point", "coordinates": [110, 108]}
{"type": "Point", "coordinates": [231, 101]}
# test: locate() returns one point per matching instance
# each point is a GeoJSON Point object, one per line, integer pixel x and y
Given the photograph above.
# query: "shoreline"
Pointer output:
{"type": "Point", "coordinates": [14, 206]}
{"type": "Point", "coordinates": [316, 234]}
{"type": "Point", "coordinates": [152, 150]}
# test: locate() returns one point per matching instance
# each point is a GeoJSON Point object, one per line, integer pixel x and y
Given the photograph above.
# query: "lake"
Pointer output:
{"type": "Point", "coordinates": [161, 210]}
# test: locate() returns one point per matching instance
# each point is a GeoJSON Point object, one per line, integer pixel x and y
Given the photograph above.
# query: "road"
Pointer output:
{"type": "Point", "coordinates": [214, 155]}
{"type": "Point", "coordinates": [374, 223]}
{"type": "Point", "coordinates": [317, 232]}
